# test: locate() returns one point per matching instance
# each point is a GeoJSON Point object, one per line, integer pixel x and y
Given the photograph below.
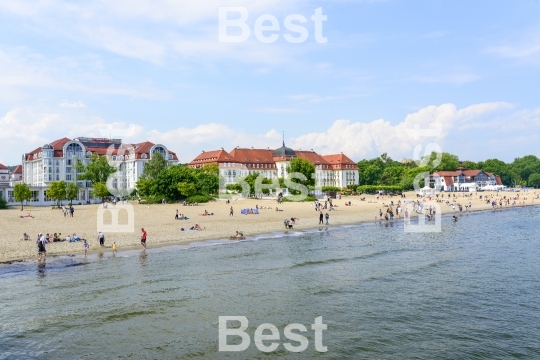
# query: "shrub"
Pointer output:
{"type": "Point", "coordinates": [199, 198]}
{"type": "Point", "coordinates": [3, 203]}
{"type": "Point", "coordinates": [307, 198]}
{"type": "Point", "coordinates": [154, 199]}
{"type": "Point", "coordinates": [330, 188]}
{"type": "Point", "coordinates": [371, 189]}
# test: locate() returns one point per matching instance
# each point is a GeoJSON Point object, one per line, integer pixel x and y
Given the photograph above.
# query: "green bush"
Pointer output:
{"type": "Point", "coordinates": [154, 199]}
{"type": "Point", "coordinates": [371, 189]}
{"type": "Point", "coordinates": [3, 203]}
{"type": "Point", "coordinates": [330, 188]}
{"type": "Point", "coordinates": [199, 198]}
{"type": "Point", "coordinates": [307, 198]}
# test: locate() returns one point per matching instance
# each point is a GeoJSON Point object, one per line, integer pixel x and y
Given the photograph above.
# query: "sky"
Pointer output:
{"type": "Point", "coordinates": [157, 70]}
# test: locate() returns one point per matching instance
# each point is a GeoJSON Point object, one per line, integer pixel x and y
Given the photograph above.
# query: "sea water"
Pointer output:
{"type": "Point", "coordinates": [471, 291]}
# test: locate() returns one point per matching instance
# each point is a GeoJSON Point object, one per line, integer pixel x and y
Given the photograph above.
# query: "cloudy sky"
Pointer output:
{"type": "Point", "coordinates": [156, 70]}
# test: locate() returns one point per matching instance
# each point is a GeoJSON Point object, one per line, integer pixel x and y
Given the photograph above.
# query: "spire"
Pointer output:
{"type": "Point", "coordinates": [283, 138]}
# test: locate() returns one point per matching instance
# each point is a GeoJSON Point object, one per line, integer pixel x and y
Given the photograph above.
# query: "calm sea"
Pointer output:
{"type": "Point", "coordinates": [469, 292]}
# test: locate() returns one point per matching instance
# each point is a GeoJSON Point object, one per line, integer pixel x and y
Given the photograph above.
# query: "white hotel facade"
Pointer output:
{"type": "Point", "coordinates": [330, 170]}
{"type": "Point", "coordinates": [56, 161]}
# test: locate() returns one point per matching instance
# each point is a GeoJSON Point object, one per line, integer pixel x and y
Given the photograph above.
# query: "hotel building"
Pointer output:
{"type": "Point", "coordinates": [330, 170]}
{"type": "Point", "coordinates": [56, 161]}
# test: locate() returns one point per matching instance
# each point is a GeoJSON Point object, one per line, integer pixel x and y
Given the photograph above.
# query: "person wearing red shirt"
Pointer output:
{"type": "Point", "coordinates": [143, 238]}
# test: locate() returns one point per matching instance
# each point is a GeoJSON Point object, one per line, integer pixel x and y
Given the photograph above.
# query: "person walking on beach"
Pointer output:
{"type": "Point", "coordinates": [231, 212]}
{"type": "Point", "coordinates": [176, 216]}
{"type": "Point", "coordinates": [327, 217]}
{"type": "Point", "coordinates": [86, 246]}
{"type": "Point", "coordinates": [64, 210]}
{"type": "Point", "coordinates": [321, 217]}
{"type": "Point", "coordinates": [71, 210]}
{"type": "Point", "coordinates": [101, 238]}
{"type": "Point", "coordinates": [41, 247]}
{"type": "Point", "coordinates": [143, 238]}
{"type": "Point", "coordinates": [114, 247]}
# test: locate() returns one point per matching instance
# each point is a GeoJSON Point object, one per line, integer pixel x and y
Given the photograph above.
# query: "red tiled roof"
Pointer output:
{"type": "Point", "coordinates": [18, 170]}
{"type": "Point", "coordinates": [3, 167]}
{"type": "Point", "coordinates": [498, 180]}
{"type": "Point", "coordinates": [215, 156]}
{"type": "Point", "coordinates": [253, 156]}
{"type": "Point", "coordinates": [449, 180]}
{"type": "Point", "coordinates": [312, 156]}
{"type": "Point", "coordinates": [340, 159]}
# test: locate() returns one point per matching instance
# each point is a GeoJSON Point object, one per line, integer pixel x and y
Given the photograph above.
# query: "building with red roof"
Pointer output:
{"type": "Point", "coordinates": [330, 170]}
{"type": "Point", "coordinates": [462, 179]}
{"type": "Point", "coordinates": [56, 161]}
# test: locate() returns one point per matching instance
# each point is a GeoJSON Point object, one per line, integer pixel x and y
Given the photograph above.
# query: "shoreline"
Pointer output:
{"type": "Point", "coordinates": [213, 240]}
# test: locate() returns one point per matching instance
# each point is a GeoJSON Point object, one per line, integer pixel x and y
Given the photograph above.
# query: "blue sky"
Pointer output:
{"type": "Point", "coordinates": [156, 70]}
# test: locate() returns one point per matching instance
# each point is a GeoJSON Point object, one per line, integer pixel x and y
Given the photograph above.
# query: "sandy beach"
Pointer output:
{"type": "Point", "coordinates": [163, 229]}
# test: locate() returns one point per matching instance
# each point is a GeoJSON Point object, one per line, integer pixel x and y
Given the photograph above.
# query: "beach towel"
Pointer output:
{"type": "Point", "coordinates": [247, 211]}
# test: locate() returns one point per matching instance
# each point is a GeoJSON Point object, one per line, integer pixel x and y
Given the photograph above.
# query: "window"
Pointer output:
{"type": "Point", "coordinates": [74, 150]}
{"type": "Point", "coordinates": [68, 177]}
{"type": "Point", "coordinates": [161, 150]}
{"type": "Point", "coordinates": [143, 156]}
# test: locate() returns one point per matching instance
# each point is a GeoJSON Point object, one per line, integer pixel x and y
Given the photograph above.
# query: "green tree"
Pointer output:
{"type": "Point", "coordinates": [154, 166]}
{"type": "Point", "coordinates": [22, 192]}
{"type": "Point", "coordinates": [207, 179]}
{"type": "Point", "coordinates": [525, 166]}
{"type": "Point", "coordinates": [3, 203]}
{"type": "Point", "coordinates": [470, 165]}
{"type": "Point", "coordinates": [534, 180]}
{"type": "Point", "coordinates": [97, 170]}
{"type": "Point", "coordinates": [369, 174]}
{"type": "Point", "coordinates": [100, 190]}
{"type": "Point", "coordinates": [448, 162]}
{"type": "Point", "coordinates": [72, 191]}
{"type": "Point", "coordinates": [57, 191]}
{"type": "Point", "coordinates": [145, 187]}
{"type": "Point", "coordinates": [392, 175]}
{"type": "Point", "coordinates": [166, 182]}
{"type": "Point", "coordinates": [186, 189]}
{"type": "Point", "coordinates": [305, 167]}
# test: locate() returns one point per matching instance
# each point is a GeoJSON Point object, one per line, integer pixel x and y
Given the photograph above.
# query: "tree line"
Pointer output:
{"type": "Point", "coordinates": [383, 170]}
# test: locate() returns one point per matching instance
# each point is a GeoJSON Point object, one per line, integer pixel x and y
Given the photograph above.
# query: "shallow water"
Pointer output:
{"type": "Point", "coordinates": [470, 291]}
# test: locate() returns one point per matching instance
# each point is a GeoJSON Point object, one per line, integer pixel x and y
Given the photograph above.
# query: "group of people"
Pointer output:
{"type": "Point", "coordinates": [67, 210]}
{"type": "Point", "coordinates": [43, 240]}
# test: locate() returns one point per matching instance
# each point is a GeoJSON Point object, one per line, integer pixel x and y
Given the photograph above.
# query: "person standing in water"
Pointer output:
{"type": "Point", "coordinates": [86, 246]}
{"type": "Point", "coordinates": [114, 248]}
{"type": "Point", "coordinates": [143, 238]}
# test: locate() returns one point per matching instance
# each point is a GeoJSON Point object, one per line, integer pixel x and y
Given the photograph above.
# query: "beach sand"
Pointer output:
{"type": "Point", "coordinates": [162, 229]}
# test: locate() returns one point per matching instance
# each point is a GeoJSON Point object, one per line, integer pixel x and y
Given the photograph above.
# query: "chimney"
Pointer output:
{"type": "Point", "coordinates": [203, 151]}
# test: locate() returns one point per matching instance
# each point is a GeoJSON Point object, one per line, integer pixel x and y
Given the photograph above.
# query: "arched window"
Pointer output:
{"type": "Point", "coordinates": [74, 150]}
{"type": "Point", "coordinates": [161, 150]}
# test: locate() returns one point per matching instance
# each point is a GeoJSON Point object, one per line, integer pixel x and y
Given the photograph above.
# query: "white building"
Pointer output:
{"type": "Point", "coordinates": [56, 161]}
{"type": "Point", "coordinates": [330, 170]}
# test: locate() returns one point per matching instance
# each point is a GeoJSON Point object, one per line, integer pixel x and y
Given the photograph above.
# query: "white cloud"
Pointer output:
{"type": "Point", "coordinates": [75, 104]}
{"type": "Point", "coordinates": [26, 129]}
{"type": "Point", "coordinates": [360, 140]}
{"type": "Point", "coordinates": [524, 47]}
{"type": "Point", "coordinates": [23, 69]}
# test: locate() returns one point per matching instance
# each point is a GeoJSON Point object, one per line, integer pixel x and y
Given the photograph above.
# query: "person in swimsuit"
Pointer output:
{"type": "Point", "coordinates": [143, 238]}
